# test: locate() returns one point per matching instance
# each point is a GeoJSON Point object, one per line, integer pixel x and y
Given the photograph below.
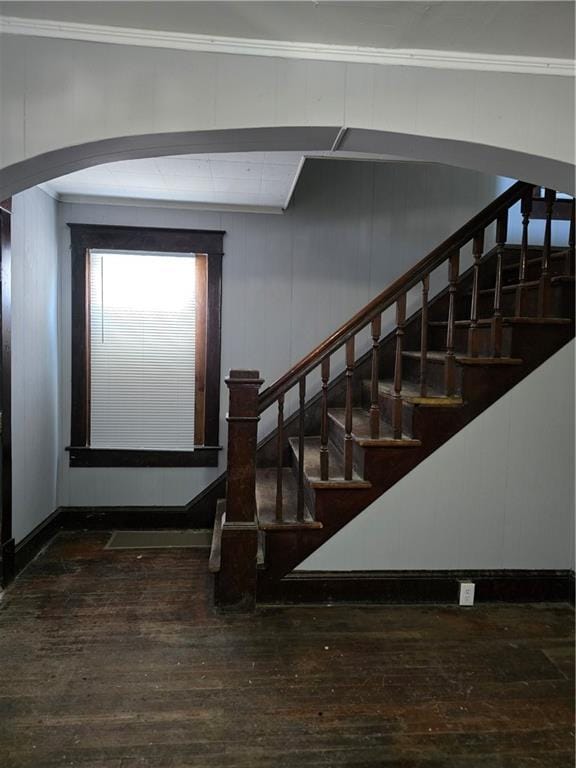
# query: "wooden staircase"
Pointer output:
{"type": "Point", "coordinates": [396, 403]}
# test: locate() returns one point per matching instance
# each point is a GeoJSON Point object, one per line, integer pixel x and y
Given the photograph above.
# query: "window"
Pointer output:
{"type": "Point", "coordinates": [145, 346]}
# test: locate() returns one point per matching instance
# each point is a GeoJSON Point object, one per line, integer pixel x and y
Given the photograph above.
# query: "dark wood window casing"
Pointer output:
{"type": "Point", "coordinates": [207, 245]}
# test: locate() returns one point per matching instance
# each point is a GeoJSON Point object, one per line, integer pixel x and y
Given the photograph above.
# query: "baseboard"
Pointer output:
{"type": "Point", "coordinates": [7, 563]}
{"type": "Point", "coordinates": [402, 587]}
{"type": "Point", "coordinates": [28, 548]}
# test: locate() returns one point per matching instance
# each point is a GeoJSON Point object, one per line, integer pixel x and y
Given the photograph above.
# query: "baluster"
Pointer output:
{"type": "Point", "coordinates": [569, 266]}
{"type": "Point", "coordinates": [324, 455]}
{"type": "Point", "coordinates": [374, 398]}
{"type": "Point", "coordinates": [545, 285]}
{"type": "Point", "coordinates": [302, 398]}
{"type": "Point", "coordinates": [450, 364]}
{"type": "Point", "coordinates": [424, 338]}
{"type": "Point", "coordinates": [279, 458]}
{"type": "Point", "coordinates": [526, 208]}
{"type": "Point", "coordinates": [496, 329]}
{"type": "Point", "coordinates": [477, 250]}
{"type": "Point", "coordinates": [397, 402]}
{"type": "Point", "coordinates": [348, 444]}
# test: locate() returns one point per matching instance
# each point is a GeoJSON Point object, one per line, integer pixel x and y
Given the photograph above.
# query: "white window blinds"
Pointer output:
{"type": "Point", "coordinates": [142, 350]}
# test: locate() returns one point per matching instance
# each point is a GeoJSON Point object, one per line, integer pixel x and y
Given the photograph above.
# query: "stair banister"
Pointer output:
{"type": "Point", "coordinates": [393, 292]}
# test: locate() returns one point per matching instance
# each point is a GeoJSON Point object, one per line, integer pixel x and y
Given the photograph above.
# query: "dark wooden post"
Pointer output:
{"type": "Point", "coordinates": [376, 327]}
{"type": "Point", "coordinates": [324, 454]}
{"type": "Point", "coordinates": [348, 442]}
{"type": "Point", "coordinates": [496, 329]}
{"type": "Point", "coordinates": [279, 458]}
{"type": "Point", "coordinates": [477, 249]}
{"type": "Point", "coordinates": [526, 207]}
{"type": "Point", "coordinates": [397, 398]}
{"type": "Point", "coordinates": [545, 285]}
{"type": "Point", "coordinates": [236, 580]}
{"type": "Point", "coordinates": [450, 363]}
{"type": "Point", "coordinates": [424, 338]}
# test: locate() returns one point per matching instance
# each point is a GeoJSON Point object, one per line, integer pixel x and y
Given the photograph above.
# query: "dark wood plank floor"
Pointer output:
{"type": "Point", "coordinates": [116, 658]}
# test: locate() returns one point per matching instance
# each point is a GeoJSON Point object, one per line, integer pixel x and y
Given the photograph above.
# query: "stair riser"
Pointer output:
{"type": "Point", "coordinates": [561, 302]}
{"type": "Point", "coordinates": [533, 271]}
{"type": "Point", "coordinates": [483, 334]}
{"type": "Point", "coordinates": [435, 374]}
{"type": "Point", "coordinates": [386, 403]}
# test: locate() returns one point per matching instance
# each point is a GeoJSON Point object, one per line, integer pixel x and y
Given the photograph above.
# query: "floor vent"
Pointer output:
{"type": "Point", "coordinates": [159, 539]}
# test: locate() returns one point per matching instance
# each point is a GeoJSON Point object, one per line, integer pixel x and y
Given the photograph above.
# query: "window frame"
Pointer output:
{"type": "Point", "coordinates": [208, 246]}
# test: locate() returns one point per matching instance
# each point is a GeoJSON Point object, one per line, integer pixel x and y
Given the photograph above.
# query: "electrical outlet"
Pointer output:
{"type": "Point", "coordinates": [467, 593]}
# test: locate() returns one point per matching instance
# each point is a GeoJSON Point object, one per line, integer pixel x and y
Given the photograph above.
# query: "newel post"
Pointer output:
{"type": "Point", "coordinates": [236, 580]}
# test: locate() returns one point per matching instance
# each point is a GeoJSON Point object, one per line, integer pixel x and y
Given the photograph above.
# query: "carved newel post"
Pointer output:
{"type": "Point", "coordinates": [236, 580]}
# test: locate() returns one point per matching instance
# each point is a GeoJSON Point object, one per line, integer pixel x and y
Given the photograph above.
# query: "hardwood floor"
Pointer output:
{"type": "Point", "coordinates": [116, 658]}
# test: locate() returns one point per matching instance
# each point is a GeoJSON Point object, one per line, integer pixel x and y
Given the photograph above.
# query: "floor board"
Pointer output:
{"type": "Point", "coordinates": [116, 659]}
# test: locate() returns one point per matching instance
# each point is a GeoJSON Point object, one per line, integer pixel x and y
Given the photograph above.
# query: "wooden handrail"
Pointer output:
{"type": "Point", "coordinates": [392, 293]}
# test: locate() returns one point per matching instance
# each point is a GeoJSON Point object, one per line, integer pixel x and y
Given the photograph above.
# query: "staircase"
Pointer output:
{"type": "Point", "coordinates": [396, 402]}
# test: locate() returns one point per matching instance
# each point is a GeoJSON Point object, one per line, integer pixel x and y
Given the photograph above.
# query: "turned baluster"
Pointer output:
{"type": "Point", "coordinates": [496, 329]}
{"type": "Point", "coordinates": [526, 208]}
{"type": "Point", "coordinates": [279, 458]}
{"type": "Point", "coordinates": [450, 363]}
{"type": "Point", "coordinates": [477, 250]}
{"type": "Point", "coordinates": [374, 398]}
{"type": "Point", "coordinates": [348, 444]}
{"type": "Point", "coordinates": [397, 399]}
{"type": "Point", "coordinates": [302, 400]}
{"type": "Point", "coordinates": [424, 338]}
{"type": "Point", "coordinates": [324, 455]}
{"type": "Point", "coordinates": [545, 285]}
{"type": "Point", "coordinates": [569, 266]}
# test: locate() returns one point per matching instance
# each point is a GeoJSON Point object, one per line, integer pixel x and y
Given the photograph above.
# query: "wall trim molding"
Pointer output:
{"type": "Point", "coordinates": [138, 202]}
{"type": "Point", "coordinates": [402, 587]}
{"type": "Point", "coordinates": [407, 57]}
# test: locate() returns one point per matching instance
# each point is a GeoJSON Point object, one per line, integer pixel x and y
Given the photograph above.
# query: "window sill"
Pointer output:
{"type": "Point", "coordinates": [201, 456]}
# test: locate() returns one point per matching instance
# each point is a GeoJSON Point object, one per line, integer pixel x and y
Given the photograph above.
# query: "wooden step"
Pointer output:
{"type": "Point", "coordinates": [336, 463]}
{"type": "Point", "coordinates": [484, 321]}
{"type": "Point", "coordinates": [361, 430]}
{"type": "Point", "coordinates": [439, 358]}
{"type": "Point", "coordinates": [411, 395]}
{"type": "Point", "coordinates": [266, 502]}
{"type": "Point", "coordinates": [216, 546]}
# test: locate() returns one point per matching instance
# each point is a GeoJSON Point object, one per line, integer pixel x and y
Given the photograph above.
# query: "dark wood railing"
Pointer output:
{"type": "Point", "coordinates": [496, 213]}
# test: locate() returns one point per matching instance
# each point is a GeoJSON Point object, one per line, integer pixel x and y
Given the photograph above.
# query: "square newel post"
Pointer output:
{"type": "Point", "coordinates": [236, 580]}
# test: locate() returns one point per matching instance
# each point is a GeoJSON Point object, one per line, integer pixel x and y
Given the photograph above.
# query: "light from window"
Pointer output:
{"type": "Point", "coordinates": [142, 350]}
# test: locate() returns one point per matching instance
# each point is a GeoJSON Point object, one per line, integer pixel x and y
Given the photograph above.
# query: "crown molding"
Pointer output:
{"type": "Point", "coordinates": [143, 202]}
{"type": "Point", "coordinates": [98, 33]}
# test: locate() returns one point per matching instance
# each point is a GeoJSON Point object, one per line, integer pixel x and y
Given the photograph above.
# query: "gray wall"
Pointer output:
{"type": "Point", "coordinates": [34, 359]}
{"type": "Point", "coordinates": [500, 494]}
{"type": "Point", "coordinates": [288, 281]}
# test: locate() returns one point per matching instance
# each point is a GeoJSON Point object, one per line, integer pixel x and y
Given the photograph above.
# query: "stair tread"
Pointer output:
{"type": "Point", "coordinates": [266, 502]}
{"type": "Point", "coordinates": [528, 284]}
{"type": "Point", "coordinates": [335, 462]}
{"type": "Point", "coordinates": [554, 254]}
{"type": "Point", "coordinates": [506, 321]}
{"type": "Point", "coordinates": [361, 429]}
{"type": "Point", "coordinates": [411, 394]}
{"type": "Point", "coordinates": [434, 356]}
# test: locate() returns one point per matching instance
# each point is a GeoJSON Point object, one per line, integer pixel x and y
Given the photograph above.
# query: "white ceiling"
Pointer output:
{"type": "Point", "coordinates": [245, 179]}
{"type": "Point", "coordinates": [544, 28]}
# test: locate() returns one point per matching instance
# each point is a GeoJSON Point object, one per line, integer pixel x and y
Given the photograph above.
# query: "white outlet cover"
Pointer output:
{"type": "Point", "coordinates": [467, 592]}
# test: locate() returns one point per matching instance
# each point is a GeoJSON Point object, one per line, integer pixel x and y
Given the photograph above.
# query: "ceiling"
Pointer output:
{"type": "Point", "coordinates": [238, 179]}
{"type": "Point", "coordinates": [520, 28]}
